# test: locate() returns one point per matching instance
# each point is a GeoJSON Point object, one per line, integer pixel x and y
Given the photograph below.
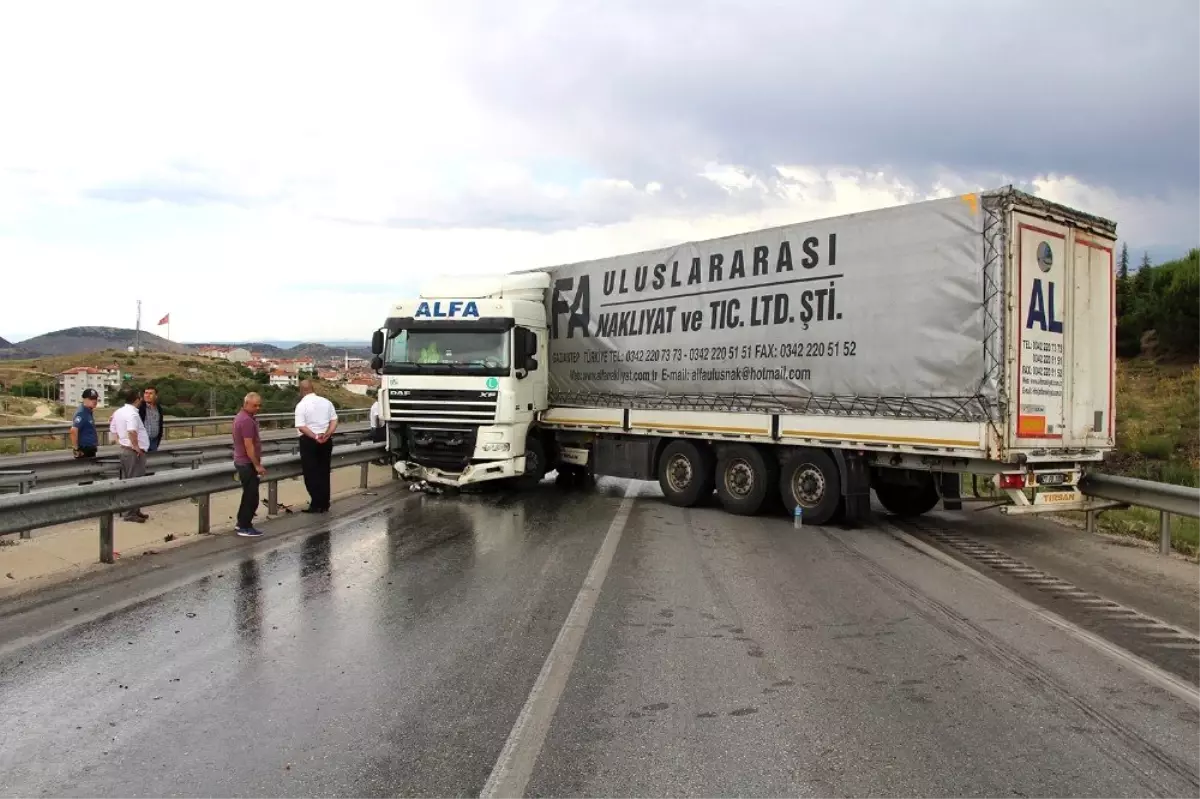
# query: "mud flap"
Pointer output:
{"type": "Point", "coordinates": [856, 488]}
{"type": "Point", "coordinates": [950, 489]}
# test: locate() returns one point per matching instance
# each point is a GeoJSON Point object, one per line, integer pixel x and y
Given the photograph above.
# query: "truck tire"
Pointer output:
{"type": "Point", "coordinates": [906, 500]}
{"type": "Point", "coordinates": [535, 464]}
{"type": "Point", "coordinates": [810, 479]}
{"type": "Point", "coordinates": [745, 479]}
{"type": "Point", "coordinates": [685, 473]}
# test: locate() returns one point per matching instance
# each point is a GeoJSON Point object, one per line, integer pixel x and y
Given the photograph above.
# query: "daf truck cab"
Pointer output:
{"type": "Point", "coordinates": [463, 377]}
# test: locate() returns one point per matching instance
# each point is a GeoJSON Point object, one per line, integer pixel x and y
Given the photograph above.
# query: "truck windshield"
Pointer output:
{"type": "Point", "coordinates": [447, 351]}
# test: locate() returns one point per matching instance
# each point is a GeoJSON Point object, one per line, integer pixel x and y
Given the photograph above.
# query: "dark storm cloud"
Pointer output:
{"type": "Point", "coordinates": [1107, 92]}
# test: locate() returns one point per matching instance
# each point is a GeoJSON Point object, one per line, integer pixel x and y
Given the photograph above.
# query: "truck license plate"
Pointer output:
{"type": "Point", "coordinates": [1051, 479]}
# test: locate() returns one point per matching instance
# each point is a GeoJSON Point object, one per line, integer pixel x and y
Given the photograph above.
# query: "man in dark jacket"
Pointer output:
{"type": "Point", "coordinates": [83, 427]}
{"type": "Point", "coordinates": [152, 417]}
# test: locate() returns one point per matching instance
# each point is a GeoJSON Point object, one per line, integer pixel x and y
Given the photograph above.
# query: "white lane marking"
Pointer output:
{"type": "Point", "coordinates": [1162, 678]}
{"type": "Point", "coordinates": [514, 767]}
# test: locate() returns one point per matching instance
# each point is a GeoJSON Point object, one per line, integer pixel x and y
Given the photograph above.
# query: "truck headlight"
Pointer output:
{"type": "Point", "coordinates": [496, 447]}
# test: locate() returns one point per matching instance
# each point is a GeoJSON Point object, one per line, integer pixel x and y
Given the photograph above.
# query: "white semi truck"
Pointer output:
{"type": "Point", "coordinates": [804, 365]}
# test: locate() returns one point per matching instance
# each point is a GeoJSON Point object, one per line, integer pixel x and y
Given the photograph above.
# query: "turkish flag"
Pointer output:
{"type": "Point", "coordinates": [166, 320]}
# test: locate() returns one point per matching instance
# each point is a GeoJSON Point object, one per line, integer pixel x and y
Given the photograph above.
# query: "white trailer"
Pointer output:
{"type": "Point", "coordinates": [893, 351]}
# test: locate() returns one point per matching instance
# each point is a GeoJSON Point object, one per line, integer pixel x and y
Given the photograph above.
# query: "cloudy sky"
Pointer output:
{"type": "Point", "coordinates": [285, 171]}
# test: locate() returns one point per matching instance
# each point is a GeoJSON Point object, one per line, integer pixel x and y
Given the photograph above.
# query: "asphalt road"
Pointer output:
{"type": "Point", "coordinates": [393, 653]}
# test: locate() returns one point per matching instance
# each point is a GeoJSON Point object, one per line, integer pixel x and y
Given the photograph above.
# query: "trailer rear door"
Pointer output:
{"type": "Point", "coordinates": [1064, 337]}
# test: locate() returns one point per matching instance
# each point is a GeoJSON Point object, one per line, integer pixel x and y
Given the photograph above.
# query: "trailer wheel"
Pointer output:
{"type": "Point", "coordinates": [685, 473]}
{"type": "Point", "coordinates": [535, 464]}
{"type": "Point", "coordinates": [810, 479]}
{"type": "Point", "coordinates": [903, 499]}
{"type": "Point", "coordinates": [744, 479]}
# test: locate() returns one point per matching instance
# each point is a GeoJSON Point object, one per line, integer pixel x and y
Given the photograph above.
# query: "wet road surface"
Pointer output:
{"type": "Point", "coordinates": [393, 653]}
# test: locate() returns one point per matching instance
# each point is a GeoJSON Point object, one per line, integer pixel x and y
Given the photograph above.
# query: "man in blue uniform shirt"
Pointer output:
{"type": "Point", "coordinates": [83, 428]}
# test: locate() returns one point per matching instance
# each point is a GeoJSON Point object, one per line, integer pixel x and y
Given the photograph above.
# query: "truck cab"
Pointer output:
{"type": "Point", "coordinates": [463, 376]}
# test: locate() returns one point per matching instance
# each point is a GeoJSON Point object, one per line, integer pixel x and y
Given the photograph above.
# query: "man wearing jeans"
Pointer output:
{"type": "Point", "coordinates": [152, 418]}
{"type": "Point", "coordinates": [247, 459]}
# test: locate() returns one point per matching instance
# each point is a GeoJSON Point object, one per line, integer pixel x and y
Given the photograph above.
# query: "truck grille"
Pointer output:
{"type": "Point", "coordinates": [442, 405]}
{"type": "Point", "coordinates": [447, 448]}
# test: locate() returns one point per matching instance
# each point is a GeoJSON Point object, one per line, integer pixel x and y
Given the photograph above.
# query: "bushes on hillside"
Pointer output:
{"type": "Point", "coordinates": [182, 397]}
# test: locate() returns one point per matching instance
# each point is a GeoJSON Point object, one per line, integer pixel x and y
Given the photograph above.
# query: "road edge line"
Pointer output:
{"type": "Point", "coordinates": [1160, 677]}
{"type": "Point", "coordinates": [514, 767]}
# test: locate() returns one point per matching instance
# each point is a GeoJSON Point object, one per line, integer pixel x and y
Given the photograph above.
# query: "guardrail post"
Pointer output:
{"type": "Point", "coordinates": [1091, 521]}
{"type": "Point", "coordinates": [202, 521]}
{"type": "Point", "coordinates": [24, 445]}
{"type": "Point", "coordinates": [1164, 533]}
{"type": "Point", "coordinates": [24, 489]}
{"type": "Point", "coordinates": [364, 476]}
{"type": "Point", "coordinates": [106, 538]}
{"type": "Point", "coordinates": [273, 498]}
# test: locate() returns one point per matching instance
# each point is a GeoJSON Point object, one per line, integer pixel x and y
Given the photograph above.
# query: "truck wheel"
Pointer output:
{"type": "Point", "coordinates": [811, 479]}
{"type": "Point", "coordinates": [685, 473]}
{"type": "Point", "coordinates": [744, 479]}
{"type": "Point", "coordinates": [535, 464]}
{"type": "Point", "coordinates": [903, 499]}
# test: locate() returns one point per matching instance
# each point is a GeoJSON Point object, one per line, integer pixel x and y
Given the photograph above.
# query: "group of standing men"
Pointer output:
{"type": "Point", "coordinates": [316, 421]}
{"type": "Point", "coordinates": [137, 426]}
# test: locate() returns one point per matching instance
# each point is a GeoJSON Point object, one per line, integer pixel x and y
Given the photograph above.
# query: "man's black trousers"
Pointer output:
{"type": "Point", "coordinates": [315, 460]}
{"type": "Point", "coordinates": [248, 476]}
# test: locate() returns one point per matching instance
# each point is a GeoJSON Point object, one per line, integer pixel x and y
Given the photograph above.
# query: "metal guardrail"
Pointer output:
{"type": "Point", "coordinates": [21, 481]}
{"type": "Point", "coordinates": [1165, 498]}
{"type": "Point", "coordinates": [63, 429]}
{"type": "Point", "coordinates": [20, 513]}
{"type": "Point", "coordinates": [59, 467]}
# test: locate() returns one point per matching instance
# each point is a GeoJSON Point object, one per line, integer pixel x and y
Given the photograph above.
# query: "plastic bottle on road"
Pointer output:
{"type": "Point", "coordinates": [798, 517]}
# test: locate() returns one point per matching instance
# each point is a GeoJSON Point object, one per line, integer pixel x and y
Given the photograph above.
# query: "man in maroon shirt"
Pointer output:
{"type": "Point", "coordinates": [247, 459]}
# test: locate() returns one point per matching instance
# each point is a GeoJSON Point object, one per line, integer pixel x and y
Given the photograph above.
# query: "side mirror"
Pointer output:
{"type": "Point", "coordinates": [377, 344]}
{"type": "Point", "coordinates": [528, 350]}
{"type": "Point", "coordinates": [377, 363]}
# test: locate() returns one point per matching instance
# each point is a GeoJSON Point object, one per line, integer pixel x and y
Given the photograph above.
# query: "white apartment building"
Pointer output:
{"type": "Point", "coordinates": [284, 380]}
{"type": "Point", "coordinates": [360, 385]}
{"type": "Point", "coordinates": [73, 382]}
{"type": "Point", "coordinates": [235, 354]}
{"type": "Point", "coordinates": [296, 365]}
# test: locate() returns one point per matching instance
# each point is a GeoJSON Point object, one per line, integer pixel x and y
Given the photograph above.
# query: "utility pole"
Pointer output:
{"type": "Point", "coordinates": [137, 340]}
{"type": "Point", "coordinates": [212, 402]}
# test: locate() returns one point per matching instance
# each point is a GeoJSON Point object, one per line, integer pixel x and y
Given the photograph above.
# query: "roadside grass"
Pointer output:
{"type": "Point", "coordinates": [1158, 438]}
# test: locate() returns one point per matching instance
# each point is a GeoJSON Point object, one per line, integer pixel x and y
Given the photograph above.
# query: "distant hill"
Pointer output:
{"type": "Point", "coordinates": [78, 340]}
{"type": "Point", "coordinates": [318, 352]}
{"type": "Point", "coordinates": [5, 344]}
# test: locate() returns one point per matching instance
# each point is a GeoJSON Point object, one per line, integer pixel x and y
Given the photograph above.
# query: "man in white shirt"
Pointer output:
{"type": "Point", "coordinates": [126, 425]}
{"type": "Point", "coordinates": [378, 428]}
{"type": "Point", "coordinates": [378, 432]}
{"type": "Point", "coordinates": [316, 419]}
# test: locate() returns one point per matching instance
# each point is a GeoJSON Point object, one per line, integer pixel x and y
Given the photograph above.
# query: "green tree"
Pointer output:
{"type": "Point", "coordinates": [1122, 279]}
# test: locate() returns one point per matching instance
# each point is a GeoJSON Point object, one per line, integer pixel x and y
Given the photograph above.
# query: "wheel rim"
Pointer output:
{"type": "Point", "coordinates": [679, 473]}
{"type": "Point", "coordinates": [808, 485]}
{"type": "Point", "coordinates": [739, 478]}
